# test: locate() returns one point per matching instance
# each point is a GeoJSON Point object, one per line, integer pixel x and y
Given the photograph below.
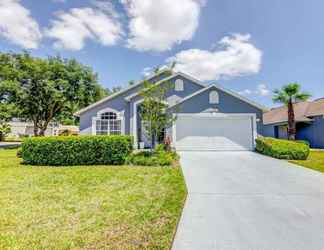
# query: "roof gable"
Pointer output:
{"type": "Point", "coordinates": [177, 74]}
{"type": "Point", "coordinates": [188, 77]}
{"type": "Point", "coordinates": [112, 96]}
{"type": "Point", "coordinates": [229, 92]}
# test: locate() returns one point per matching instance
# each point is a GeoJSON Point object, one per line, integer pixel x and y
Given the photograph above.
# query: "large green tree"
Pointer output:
{"type": "Point", "coordinates": [288, 95]}
{"type": "Point", "coordinates": [46, 90]}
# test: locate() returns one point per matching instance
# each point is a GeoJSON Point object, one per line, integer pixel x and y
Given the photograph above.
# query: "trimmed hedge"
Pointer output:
{"type": "Point", "coordinates": [282, 149]}
{"type": "Point", "coordinates": [76, 150]}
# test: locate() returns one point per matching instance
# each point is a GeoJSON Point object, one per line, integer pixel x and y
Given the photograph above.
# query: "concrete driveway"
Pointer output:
{"type": "Point", "coordinates": [243, 200]}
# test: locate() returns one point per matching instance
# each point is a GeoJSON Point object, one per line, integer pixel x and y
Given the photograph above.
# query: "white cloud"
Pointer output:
{"type": "Point", "coordinates": [261, 90]}
{"type": "Point", "coordinates": [245, 92]}
{"type": "Point", "coordinates": [237, 56]}
{"type": "Point", "coordinates": [72, 29]}
{"type": "Point", "coordinates": [158, 25]}
{"type": "Point", "coordinates": [17, 25]}
{"type": "Point", "coordinates": [147, 71]}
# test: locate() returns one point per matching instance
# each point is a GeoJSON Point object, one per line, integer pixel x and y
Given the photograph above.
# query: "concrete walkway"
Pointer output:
{"type": "Point", "coordinates": [243, 200]}
{"type": "Point", "coordinates": [10, 144]}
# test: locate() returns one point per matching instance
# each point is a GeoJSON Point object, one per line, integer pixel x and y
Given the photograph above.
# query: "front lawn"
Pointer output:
{"type": "Point", "coordinates": [314, 161]}
{"type": "Point", "coordinates": [95, 207]}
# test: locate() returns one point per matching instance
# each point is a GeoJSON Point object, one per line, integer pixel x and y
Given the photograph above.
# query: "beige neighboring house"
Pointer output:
{"type": "Point", "coordinates": [20, 128]}
{"type": "Point", "coordinates": [72, 130]}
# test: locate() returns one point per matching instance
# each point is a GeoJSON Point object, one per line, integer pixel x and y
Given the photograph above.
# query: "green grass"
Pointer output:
{"type": "Point", "coordinates": [314, 161]}
{"type": "Point", "coordinates": [97, 207]}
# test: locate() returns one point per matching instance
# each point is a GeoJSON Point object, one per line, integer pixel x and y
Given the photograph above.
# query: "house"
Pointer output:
{"type": "Point", "coordinates": [21, 128]}
{"type": "Point", "coordinates": [209, 117]}
{"type": "Point", "coordinates": [309, 122]}
{"type": "Point", "coordinates": [67, 130]}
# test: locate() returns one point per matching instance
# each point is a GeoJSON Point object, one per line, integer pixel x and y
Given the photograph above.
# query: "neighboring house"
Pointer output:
{"type": "Point", "coordinates": [20, 128]}
{"type": "Point", "coordinates": [209, 117]}
{"type": "Point", "coordinates": [67, 130]}
{"type": "Point", "coordinates": [309, 122]}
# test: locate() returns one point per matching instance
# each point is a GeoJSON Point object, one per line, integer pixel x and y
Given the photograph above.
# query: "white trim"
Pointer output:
{"type": "Point", "coordinates": [93, 125]}
{"type": "Point", "coordinates": [174, 133]}
{"type": "Point", "coordinates": [194, 80]}
{"type": "Point", "coordinates": [105, 110]}
{"type": "Point", "coordinates": [224, 90]}
{"type": "Point", "coordinates": [178, 85]}
{"type": "Point", "coordinates": [120, 116]}
{"type": "Point", "coordinates": [219, 115]}
{"type": "Point", "coordinates": [213, 97]}
{"type": "Point", "coordinates": [230, 92]}
{"type": "Point", "coordinates": [78, 113]}
{"type": "Point", "coordinates": [134, 129]}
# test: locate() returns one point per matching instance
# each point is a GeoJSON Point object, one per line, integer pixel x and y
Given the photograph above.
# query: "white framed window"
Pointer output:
{"type": "Point", "coordinates": [179, 85]}
{"type": "Point", "coordinates": [213, 97]}
{"type": "Point", "coordinates": [108, 123]}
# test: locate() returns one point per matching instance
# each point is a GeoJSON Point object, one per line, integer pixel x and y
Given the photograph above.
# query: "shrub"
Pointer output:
{"type": "Point", "coordinates": [159, 157]}
{"type": "Point", "coordinates": [19, 153]}
{"type": "Point", "coordinates": [282, 149]}
{"type": "Point", "coordinates": [76, 150]}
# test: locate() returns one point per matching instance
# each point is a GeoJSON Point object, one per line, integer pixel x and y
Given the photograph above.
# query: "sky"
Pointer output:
{"type": "Point", "coordinates": [250, 46]}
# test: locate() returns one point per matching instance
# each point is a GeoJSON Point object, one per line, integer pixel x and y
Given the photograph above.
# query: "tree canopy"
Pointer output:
{"type": "Point", "coordinates": [46, 90]}
{"type": "Point", "coordinates": [153, 109]}
{"type": "Point", "coordinates": [290, 93]}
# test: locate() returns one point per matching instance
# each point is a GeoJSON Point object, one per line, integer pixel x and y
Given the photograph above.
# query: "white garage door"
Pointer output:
{"type": "Point", "coordinates": [214, 132]}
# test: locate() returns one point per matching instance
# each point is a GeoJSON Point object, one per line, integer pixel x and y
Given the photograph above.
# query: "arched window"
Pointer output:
{"type": "Point", "coordinates": [178, 85]}
{"type": "Point", "coordinates": [109, 116]}
{"type": "Point", "coordinates": [108, 123]}
{"type": "Point", "coordinates": [213, 97]}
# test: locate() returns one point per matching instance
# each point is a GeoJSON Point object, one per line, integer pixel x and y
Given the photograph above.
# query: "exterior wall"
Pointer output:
{"type": "Point", "coordinates": [282, 132]}
{"type": "Point", "coordinates": [269, 131]}
{"type": "Point", "coordinates": [118, 103]}
{"type": "Point", "coordinates": [227, 104]}
{"type": "Point", "coordinates": [189, 88]}
{"type": "Point", "coordinates": [313, 133]}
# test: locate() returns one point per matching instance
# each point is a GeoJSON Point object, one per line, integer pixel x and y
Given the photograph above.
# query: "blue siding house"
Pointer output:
{"type": "Point", "coordinates": [309, 122]}
{"type": "Point", "coordinates": [208, 117]}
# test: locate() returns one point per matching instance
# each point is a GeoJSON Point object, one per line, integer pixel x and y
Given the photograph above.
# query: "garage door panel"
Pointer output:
{"type": "Point", "coordinates": [214, 133]}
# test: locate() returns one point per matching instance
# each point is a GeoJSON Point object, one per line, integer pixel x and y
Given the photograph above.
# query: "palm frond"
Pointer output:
{"type": "Point", "coordinates": [291, 89]}
{"type": "Point", "coordinates": [280, 96]}
{"type": "Point", "coordinates": [304, 96]}
{"type": "Point", "coordinates": [290, 92]}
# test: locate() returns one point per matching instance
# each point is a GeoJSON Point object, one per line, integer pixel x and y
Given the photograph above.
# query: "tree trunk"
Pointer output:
{"type": "Point", "coordinates": [41, 132]}
{"type": "Point", "coordinates": [153, 141]}
{"type": "Point", "coordinates": [291, 121]}
{"type": "Point", "coordinates": [35, 130]}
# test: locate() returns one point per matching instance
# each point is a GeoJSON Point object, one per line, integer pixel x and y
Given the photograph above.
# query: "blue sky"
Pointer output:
{"type": "Point", "coordinates": [249, 46]}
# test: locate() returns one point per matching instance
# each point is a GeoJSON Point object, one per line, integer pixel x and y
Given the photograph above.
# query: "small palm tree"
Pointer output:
{"type": "Point", "coordinates": [288, 95]}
